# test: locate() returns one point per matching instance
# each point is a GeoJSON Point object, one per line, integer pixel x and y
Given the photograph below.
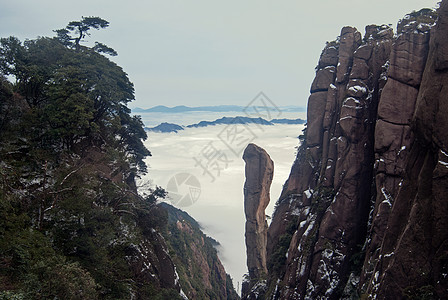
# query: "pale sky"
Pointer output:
{"type": "Point", "coordinates": [205, 52]}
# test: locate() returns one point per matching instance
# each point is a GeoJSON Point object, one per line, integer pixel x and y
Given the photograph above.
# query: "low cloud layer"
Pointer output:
{"type": "Point", "coordinates": [219, 208]}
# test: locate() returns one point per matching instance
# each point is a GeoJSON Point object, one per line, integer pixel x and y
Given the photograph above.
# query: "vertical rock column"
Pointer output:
{"type": "Point", "coordinates": [393, 134]}
{"type": "Point", "coordinates": [259, 171]}
{"type": "Point", "coordinates": [412, 261]}
{"type": "Point", "coordinates": [333, 208]}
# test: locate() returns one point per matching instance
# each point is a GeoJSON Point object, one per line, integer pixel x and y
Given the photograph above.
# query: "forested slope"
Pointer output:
{"type": "Point", "coordinates": [72, 223]}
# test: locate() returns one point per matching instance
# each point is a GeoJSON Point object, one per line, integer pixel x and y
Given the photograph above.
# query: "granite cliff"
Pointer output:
{"type": "Point", "coordinates": [201, 273]}
{"type": "Point", "coordinates": [363, 212]}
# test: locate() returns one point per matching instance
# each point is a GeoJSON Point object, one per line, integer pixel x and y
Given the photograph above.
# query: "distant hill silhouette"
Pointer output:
{"type": "Point", "coordinates": [166, 127]}
{"type": "Point", "coordinates": [232, 120]}
{"type": "Point", "coordinates": [170, 127]}
{"type": "Point", "coordinates": [218, 108]}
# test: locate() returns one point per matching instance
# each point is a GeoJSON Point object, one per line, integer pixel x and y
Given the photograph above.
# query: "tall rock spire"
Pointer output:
{"type": "Point", "coordinates": [259, 172]}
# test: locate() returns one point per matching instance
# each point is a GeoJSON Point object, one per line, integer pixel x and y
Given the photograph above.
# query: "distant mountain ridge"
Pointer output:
{"type": "Point", "coordinates": [171, 127]}
{"type": "Point", "coordinates": [232, 120]}
{"type": "Point", "coordinates": [217, 108]}
{"type": "Point", "coordinates": [166, 127]}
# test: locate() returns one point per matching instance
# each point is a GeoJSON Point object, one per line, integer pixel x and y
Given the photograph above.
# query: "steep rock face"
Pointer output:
{"type": "Point", "coordinates": [259, 172]}
{"type": "Point", "coordinates": [331, 200]}
{"type": "Point", "coordinates": [413, 253]}
{"type": "Point", "coordinates": [150, 262]}
{"type": "Point", "coordinates": [201, 273]}
{"type": "Point", "coordinates": [393, 134]}
{"type": "Point", "coordinates": [367, 136]}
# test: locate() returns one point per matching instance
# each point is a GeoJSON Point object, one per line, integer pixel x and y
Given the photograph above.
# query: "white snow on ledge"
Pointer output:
{"type": "Point", "coordinates": [358, 88]}
{"type": "Point", "coordinates": [443, 163]}
{"type": "Point", "coordinates": [308, 193]}
{"type": "Point", "coordinates": [387, 198]}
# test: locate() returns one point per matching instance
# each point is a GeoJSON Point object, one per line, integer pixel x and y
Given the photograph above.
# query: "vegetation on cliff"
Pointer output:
{"type": "Point", "coordinates": [72, 225]}
{"type": "Point", "coordinates": [69, 153]}
{"type": "Point", "coordinates": [201, 273]}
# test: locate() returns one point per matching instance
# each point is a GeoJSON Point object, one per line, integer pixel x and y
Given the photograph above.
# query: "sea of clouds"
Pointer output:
{"type": "Point", "coordinates": [213, 156]}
